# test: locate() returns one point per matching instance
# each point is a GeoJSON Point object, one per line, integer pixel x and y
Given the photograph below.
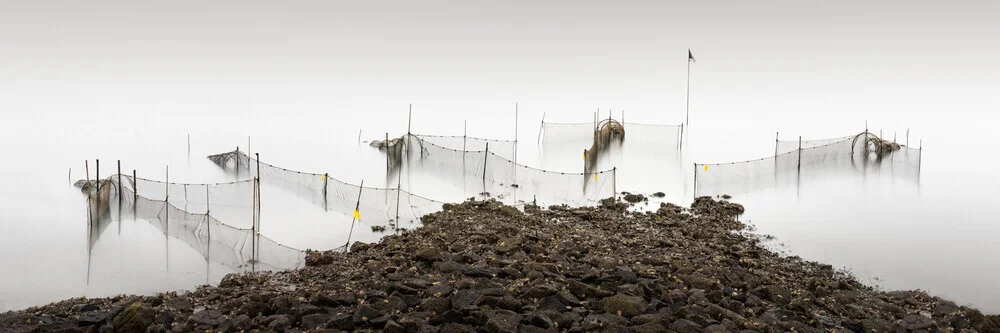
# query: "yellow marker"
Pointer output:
{"type": "Point", "coordinates": [706, 167]}
{"type": "Point", "coordinates": [357, 214]}
{"type": "Point", "coordinates": [595, 176]}
{"type": "Point", "coordinates": [323, 176]}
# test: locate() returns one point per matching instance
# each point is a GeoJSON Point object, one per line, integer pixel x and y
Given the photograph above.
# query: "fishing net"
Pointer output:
{"type": "Point", "coordinates": [216, 241]}
{"type": "Point", "coordinates": [503, 148]}
{"type": "Point", "coordinates": [784, 146]}
{"type": "Point", "coordinates": [485, 172]}
{"type": "Point", "coordinates": [848, 156]}
{"type": "Point", "coordinates": [376, 206]}
{"type": "Point", "coordinates": [668, 135]}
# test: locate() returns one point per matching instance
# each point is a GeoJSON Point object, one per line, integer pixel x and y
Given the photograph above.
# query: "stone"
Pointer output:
{"type": "Point", "coordinates": [479, 272]}
{"type": "Point", "coordinates": [341, 321]}
{"type": "Point", "coordinates": [450, 316]}
{"type": "Point", "coordinates": [623, 305]}
{"type": "Point", "coordinates": [685, 326]}
{"type": "Point", "coordinates": [583, 290]}
{"type": "Point", "coordinates": [365, 313]}
{"type": "Point", "coordinates": [436, 305]}
{"type": "Point", "coordinates": [135, 318]}
{"type": "Point", "coordinates": [540, 320]}
{"type": "Point", "coordinates": [464, 297]}
{"type": "Point", "coordinates": [541, 291]}
{"type": "Point", "coordinates": [81, 308]}
{"type": "Point", "coordinates": [429, 254]}
{"type": "Point", "coordinates": [279, 322]}
{"type": "Point", "coordinates": [393, 327]}
{"type": "Point", "coordinates": [502, 321]}
{"type": "Point", "coordinates": [313, 320]}
{"type": "Point", "coordinates": [916, 322]}
{"type": "Point", "coordinates": [441, 290]}
{"type": "Point", "coordinates": [92, 318]}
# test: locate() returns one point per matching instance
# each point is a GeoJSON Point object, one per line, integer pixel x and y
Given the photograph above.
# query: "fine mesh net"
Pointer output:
{"type": "Point", "coordinates": [488, 172]}
{"type": "Point", "coordinates": [576, 132]}
{"type": "Point", "coordinates": [378, 206]}
{"type": "Point", "coordinates": [784, 146]}
{"type": "Point", "coordinates": [847, 156]}
{"type": "Point", "coordinates": [216, 241]}
{"type": "Point", "coordinates": [503, 148]}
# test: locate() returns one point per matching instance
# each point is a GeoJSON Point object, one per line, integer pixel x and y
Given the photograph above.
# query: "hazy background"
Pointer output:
{"type": "Point", "coordinates": [128, 80]}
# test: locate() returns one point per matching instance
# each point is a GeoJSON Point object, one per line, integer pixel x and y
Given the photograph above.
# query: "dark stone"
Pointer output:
{"type": "Point", "coordinates": [436, 305]}
{"type": "Point", "coordinates": [464, 297]}
{"type": "Point", "coordinates": [341, 321]}
{"type": "Point", "coordinates": [916, 322]}
{"type": "Point", "coordinates": [623, 305]}
{"type": "Point", "coordinates": [239, 324]}
{"type": "Point", "coordinates": [540, 320]}
{"type": "Point", "coordinates": [365, 313]}
{"type": "Point", "coordinates": [478, 272]}
{"type": "Point", "coordinates": [583, 290]}
{"type": "Point", "coordinates": [393, 327]}
{"type": "Point", "coordinates": [456, 328]}
{"type": "Point", "coordinates": [450, 316]}
{"type": "Point", "coordinates": [685, 326]}
{"type": "Point", "coordinates": [441, 290]}
{"type": "Point", "coordinates": [279, 322]}
{"type": "Point", "coordinates": [541, 291]}
{"type": "Point", "coordinates": [314, 320]}
{"type": "Point", "coordinates": [81, 308]}
{"type": "Point", "coordinates": [210, 318]}
{"type": "Point", "coordinates": [92, 318]}
{"type": "Point", "coordinates": [502, 321]}
{"type": "Point", "coordinates": [552, 303]}
{"type": "Point", "coordinates": [428, 254]}
{"type": "Point", "coordinates": [135, 318]}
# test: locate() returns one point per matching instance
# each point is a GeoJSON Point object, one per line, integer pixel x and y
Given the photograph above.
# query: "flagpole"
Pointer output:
{"type": "Point", "coordinates": [687, 102]}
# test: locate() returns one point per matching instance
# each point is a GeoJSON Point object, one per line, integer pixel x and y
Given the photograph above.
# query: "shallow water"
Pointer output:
{"type": "Point", "coordinates": [110, 81]}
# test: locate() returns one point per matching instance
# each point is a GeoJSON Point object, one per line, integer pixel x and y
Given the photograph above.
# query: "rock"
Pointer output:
{"type": "Point", "coordinates": [441, 290]}
{"type": "Point", "coordinates": [540, 320]}
{"type": "Point", "coordinates": [428, 254]}
{"type": "Point", "coordinates": [279, 323]}
{"type": "Point", "coordinates": [365, 313]}
{"type": "Point", "coordinates": [685, 326]}
{"type": "Point", "coordinates": [436, 305]}
{"type": "Point", "coordinates": [623, 305]}
{"type": "Point", "coordinates": [450, 316]}
{"type": "Point", "coordinates": [583, 290]}
{"type": "Point", "coordinates": [135, 318]}
{"type": "Point", "coordinates": [393, 327]}
{"type": "Point", "coordinates": [700, 282]}
{"type": "Point", "coordinates": [208, 318]}
{"type": "Point", "coordinates": [478, 272]}
{"type": "Point", "coordinates": [464, 298]}
{"type": "Point", "coordinates": [502, 321]}
{"type": "Point", "coordinates": [86, 307]}
{"type": "Point", "coordinates": [341, 321]}
{"type": "Point", "coordinates": [360, 247]}
{"type": "Point", "coordinates": [92, 318]}
{"type": "Point", "coordinates": [456, 328]}
{"type": "Point", "coordinates": [916, 322]}
{"type": "Point", "coordinates": [314, 320]}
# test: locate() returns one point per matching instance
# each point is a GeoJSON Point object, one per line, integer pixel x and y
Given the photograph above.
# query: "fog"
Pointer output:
{"type": "Point", "coordinates": [116, 80]}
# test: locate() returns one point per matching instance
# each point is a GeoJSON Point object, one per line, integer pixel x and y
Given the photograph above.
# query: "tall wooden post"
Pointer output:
{"type": "Point", "coordinates": [119, 187]}
{"type": "Point", "coordinates": [135, 195]}
{"type": "Point", "coordinates": [357, 214]}
{"type": "Point", "coordinates": [515, 143]}
{"type": "Point", "coordinates": [800, 155]}
{"type": "Point", "coordinates": [486, 157]}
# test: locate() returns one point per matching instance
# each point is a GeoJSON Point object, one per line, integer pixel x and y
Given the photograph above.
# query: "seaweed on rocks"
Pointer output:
{"type": "Point", "coordinates": [484, 266]}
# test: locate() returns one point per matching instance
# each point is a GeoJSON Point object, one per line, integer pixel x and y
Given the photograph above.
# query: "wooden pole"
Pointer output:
{"type": "Point", "coordinates": [515, 143]}
{"type": "Point", "coordinates": [775, 144]}
{"type": "Point", "coordinates": [97, 176]}
{"type": "Point", "coordinates": [326, 180]}
{"type": "Point", "coordinates": [614, 182]}
{"type": "Point", "coordinates": [541, 127]}
{"type": "Point", "coordinates": [357, 213]}
{"type": "Point", "coordinates": [409, 123]}
{"type": "Point", "coordinates": [687, 103]}
{"type": "Point", "coordinates": [208, 202]}
{"type": "Point", "coordinates": [86, 168]}
{"type": "Point", "coordinates": [800, 155]}
{"type": "Point", "coordinates": [485, 160]}
{"type": "Point", "coordinates": [236, 156]}
{"type": "Point", "coordinates": [386, 144]}
{"type": "Point", "coordinates": [135, 195]}
{"type": "Point", "coordinates": [119, 187]}
{"type": "Point", "coordinates": [258, 205]}
{"type": "Point", "coordinates": [695, 190]}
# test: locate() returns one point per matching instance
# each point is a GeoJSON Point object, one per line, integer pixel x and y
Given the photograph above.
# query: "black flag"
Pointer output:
{"type": "Point", "coordinates": [690, 57]}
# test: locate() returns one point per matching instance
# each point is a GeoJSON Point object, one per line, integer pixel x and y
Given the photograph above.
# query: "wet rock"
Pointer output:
{"type": "Point", "coordinates": [135, 318]}
{"type": "Point", "coordinates": [916, 322]}
{"type": "Point", "coordinates": [279, 323]}
{"type": "Point", "coordinates": [685, 326]}
{"type": "Point", "coordinates": [441, 290]}
{"type": "Point", "coordinates": [314, 320]}
{"type": "Point", "coordinates": [208, 318]}
{"type": "Point", "coordinates": [540, 320]}
{"type": "Point", "coordinates": [436, 305]}
{"type": "Point", "coordinates": [428, 254]}
{"type": "Point", "coordinates": [365, 313]}
{"type": "Point", "coordinates": [502, 321]}
{"type": "Point", "coordinates": [92, 318]}
{"type": "Point", "coordinates": [341, 321]}
{"type": "Point", "coordinates": [623, 305]}
{"type": "Point", "coordinates": [86, 307]}
{"type": "Point", "coordinates": [449, 316]}
{"type": "Point", "coordinates": [583, 290]}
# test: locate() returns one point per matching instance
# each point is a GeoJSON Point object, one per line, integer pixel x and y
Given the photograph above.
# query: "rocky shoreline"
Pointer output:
{"type": "Point", "coordinates": [487, 267]}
